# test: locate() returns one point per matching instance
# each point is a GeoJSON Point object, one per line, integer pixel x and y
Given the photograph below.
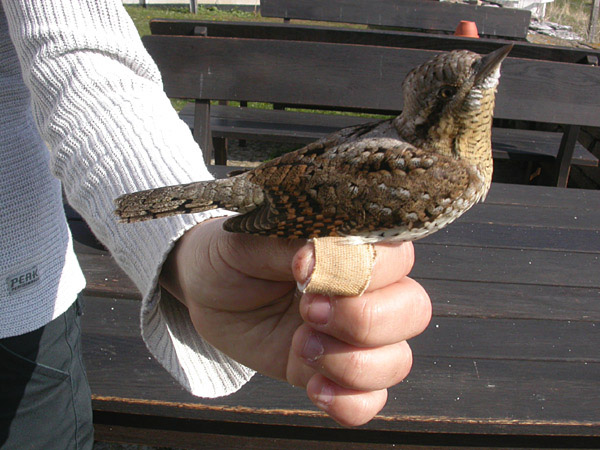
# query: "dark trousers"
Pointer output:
{"type": "Point", "coordinates": [45, 400]}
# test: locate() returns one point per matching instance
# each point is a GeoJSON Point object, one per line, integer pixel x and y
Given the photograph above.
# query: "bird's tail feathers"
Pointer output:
{"type": "Point", "coordinates": [181, 199]}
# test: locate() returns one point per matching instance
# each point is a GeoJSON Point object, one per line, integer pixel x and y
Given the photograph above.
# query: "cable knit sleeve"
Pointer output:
{"type": "Point", "coordinates": [99, 105]}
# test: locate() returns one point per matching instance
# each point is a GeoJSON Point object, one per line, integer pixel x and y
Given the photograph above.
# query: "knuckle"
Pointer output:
{"type": "Point", "coordinates": [368, 315]}
{"type": "Point", "coordinates": [356, 368]}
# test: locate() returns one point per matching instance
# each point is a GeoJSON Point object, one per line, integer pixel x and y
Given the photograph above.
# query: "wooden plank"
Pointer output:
{"type": "Point", "coordinates": [302, 128]}
{"type": "Point", "coordinates": [169, 433]}
{"type": "Point", "coordinates": [527, 144]}
{"type": "Point", "coordinates": [525, 215]}
{"type": "Point", "coordinates": [105, 278]}
{"type": "Point", "coordinates": [444, 393]}
{"type": "Point", "coordinates": [202, 122]}
{"type": "Point", "coordinates": [593, 25]}
{"type": "Point", "coordinates": [456, 298]}
{"type": "Point", "coordinates": [293, 126]}
{"type": "Point", "coordinates": [211, 435]}
{"type": "Point", "coordinates": [441, 395]}
{"type": "Point", "coordinates": [485, 234]}
{"type": "Point", "coordinates": [494, 391]}
{"type": "Point", "coordinates": [500, 265]}
{"type": "Point", "coordinates": [234, 69]}
{"type": "Point", "coordinates": [386, 38]}
{"type": "Point", "coordinates": [526, 93]}
{"type": "Point", "coordinates": [502, 22]}
{"type": "Point", "coordinates": [505, 339]}
{"type": "Point", "coordinates": [565, 155]}
{"type": "Point", "coordinates": [579, 205]}
{"type": "Point", "coordinates": [458, 337]}
{"type": "Point", "coordinates": [450, 297]}
{"type": "Point", "coordinates": [543, 196]}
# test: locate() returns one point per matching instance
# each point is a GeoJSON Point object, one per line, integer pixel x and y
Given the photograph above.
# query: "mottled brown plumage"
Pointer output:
{"type": "Point", "coordinates": [398, 179]}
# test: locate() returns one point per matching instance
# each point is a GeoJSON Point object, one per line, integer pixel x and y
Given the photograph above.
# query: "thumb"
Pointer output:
{"type": "Point", "coordinates": [260, 257]}
{"type": "Point", "coordinates": [213, 267]}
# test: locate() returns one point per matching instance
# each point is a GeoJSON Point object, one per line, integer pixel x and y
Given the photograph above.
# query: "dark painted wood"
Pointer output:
{"type": "Point", "coordinates": [542, 196]}
{"type": "Point", "coordinates": [461, 368]}
{"type": "Point", "coordinates": [510, 359]}
{"type": "Point", "coordinates": [531, 216]}
{"type": "Point", "coordinates": [472, 337]}
{"type": "Point", "coordinates": [456, 298]}
{"type": "Point", "coordinates": [481, 233]}
{"type": "Point", "coordinates": [201, 120]}
{"type": "Point", "coordinates": [351, 76]}
{"type": "Point", "coordinates": [341, 76]}
{"type": "Point", "coordinates": [204, 435]}
{"type": "Point", "coordinates": [385, 38]}
{"type": "Point", "coordinates": [565, 154]}
{"type": "Point", "coordinates": [105, 278]}
{"type": "Point", "coordinates": [532, 267]}
{"type": "Point", "coordinates": [302, 128]}
{"type": "Point", "coordinates": [415, 14]}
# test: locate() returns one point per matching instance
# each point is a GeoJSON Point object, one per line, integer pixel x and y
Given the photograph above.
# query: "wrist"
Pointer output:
{"type": "Point", "coordinates": [182, 257]}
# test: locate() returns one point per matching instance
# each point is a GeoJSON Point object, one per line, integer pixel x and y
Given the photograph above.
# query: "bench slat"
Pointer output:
{"type": "Point", "coordinates": [302, 128]}
{"type": "Point", "coordinates": [465, 384]}
{"type": "Point", "coordinates": [431, 16]}
{"type": "Point", "coordinates": [386, 38]}
{"type": "Point", "coordinates": [515, 326]}
{"type": "Point", "coordinates": [355, 76]}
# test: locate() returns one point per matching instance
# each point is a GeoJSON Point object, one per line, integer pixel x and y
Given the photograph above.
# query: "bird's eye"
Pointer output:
{"type": "Point", "coordinates": [446, 92]}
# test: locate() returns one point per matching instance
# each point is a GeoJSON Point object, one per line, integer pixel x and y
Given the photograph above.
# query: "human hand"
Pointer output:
{"type": "Point", "coordinates": [345, 351]}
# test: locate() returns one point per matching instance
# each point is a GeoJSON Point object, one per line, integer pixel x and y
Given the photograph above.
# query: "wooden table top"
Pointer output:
{"type": "Point", "coordinates": [513, 348]}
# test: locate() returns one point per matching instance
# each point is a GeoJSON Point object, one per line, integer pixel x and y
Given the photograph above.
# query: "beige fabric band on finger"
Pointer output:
{"type": "Point", "coordinates": [341, 269]}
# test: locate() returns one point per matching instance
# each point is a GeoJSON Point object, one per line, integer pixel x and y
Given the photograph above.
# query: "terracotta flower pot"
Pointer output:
{"type": "Point", "coordinates": [467, 28]}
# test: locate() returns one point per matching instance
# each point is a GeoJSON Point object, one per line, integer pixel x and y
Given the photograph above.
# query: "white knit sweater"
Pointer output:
{"type": "Point", "coordinates": [75, 76]}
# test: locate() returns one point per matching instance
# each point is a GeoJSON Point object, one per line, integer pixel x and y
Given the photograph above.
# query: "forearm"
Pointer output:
{"type": "Point", "coordinates": [98, 102]}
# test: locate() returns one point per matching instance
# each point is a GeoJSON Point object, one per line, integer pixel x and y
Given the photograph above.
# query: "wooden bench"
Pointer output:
{"type": "Point", "coordinates": [385, 38]}
{"type": "Point", "coordinates": [431, 16]}
{"type": "Point", "coordinates": [511, 358]}
{"type": "Point", "coordinates": [363, 78]}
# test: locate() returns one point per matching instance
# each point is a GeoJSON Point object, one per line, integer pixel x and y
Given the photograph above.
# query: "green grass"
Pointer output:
{"type": "Point", "coordinates": [141, 16]}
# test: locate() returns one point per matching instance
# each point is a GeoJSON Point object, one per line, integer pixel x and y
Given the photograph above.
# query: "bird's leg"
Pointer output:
{"type": "Point", "coordinates": [340, 268]}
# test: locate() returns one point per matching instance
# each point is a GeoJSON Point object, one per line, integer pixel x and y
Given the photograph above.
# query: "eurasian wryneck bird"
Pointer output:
{"type": "Point", "coordinates": [394, 180]}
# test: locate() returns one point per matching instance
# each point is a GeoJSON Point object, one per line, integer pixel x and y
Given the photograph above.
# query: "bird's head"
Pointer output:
{"type": "Point", "coordinates": [448, 104]}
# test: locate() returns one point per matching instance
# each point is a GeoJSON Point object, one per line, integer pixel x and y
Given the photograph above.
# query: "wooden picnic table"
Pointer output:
{"type": "Point", "coordinates": [430, 16]}
{"type": "Point", "coordinates": [511, 357]}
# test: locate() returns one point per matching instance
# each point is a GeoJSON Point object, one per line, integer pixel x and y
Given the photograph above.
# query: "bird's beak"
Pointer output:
{"type": "Point", "coordinates": [490, 62]}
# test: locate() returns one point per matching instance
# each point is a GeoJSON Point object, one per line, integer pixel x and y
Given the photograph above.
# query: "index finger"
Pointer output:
{"type": "Point", "coordinates": [392, 263]}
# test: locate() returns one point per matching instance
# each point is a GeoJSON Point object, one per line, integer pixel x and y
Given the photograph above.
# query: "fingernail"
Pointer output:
{"type": "Point", "coordinates": [325, 396]}
{"type": "Point", "coordinates": [313, 348]}
{"type": "Point", "coordinates": [319, 309]}
{"type": "Point", "coordinates": [305, 267]}
{"type": "Point", "coordinates": [302, 286]}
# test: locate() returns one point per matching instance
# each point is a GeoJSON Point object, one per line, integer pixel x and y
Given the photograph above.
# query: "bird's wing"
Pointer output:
{"type": "Point", "coordinates": [234, 193]}
{"type": "Point", "coordinates": [353, 188]}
